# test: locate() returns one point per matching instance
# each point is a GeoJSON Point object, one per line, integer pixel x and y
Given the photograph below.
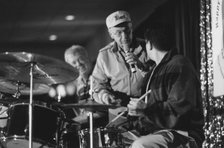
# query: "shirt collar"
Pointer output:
{"type": "Point", "coordinates": [169, 55]}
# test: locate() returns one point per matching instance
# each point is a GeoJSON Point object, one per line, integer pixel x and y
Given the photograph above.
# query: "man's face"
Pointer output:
{"type": "Point", "coordinates": [122, 35]}
{"type": "Point", "coordinates": [80, 62]}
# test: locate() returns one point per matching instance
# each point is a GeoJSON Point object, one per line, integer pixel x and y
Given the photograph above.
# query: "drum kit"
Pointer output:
{"type": "Point", "coordinates": [36, 124]}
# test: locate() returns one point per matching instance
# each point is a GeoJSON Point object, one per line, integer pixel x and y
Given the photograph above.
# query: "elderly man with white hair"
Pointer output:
{"type": "Point", "coordinates": [77, 91]}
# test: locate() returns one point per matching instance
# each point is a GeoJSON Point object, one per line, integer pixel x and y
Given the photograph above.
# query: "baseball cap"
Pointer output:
{"type": "Point", "coordinates": [117, 18]}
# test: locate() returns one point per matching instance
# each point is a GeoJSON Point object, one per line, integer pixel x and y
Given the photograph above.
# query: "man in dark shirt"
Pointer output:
{"type": "Point", "coordinates": [171, 115]}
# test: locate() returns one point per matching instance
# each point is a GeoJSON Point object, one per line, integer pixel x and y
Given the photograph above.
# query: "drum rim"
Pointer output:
{"type": "Point", "coordinates": [34, 104]}
{"type": "Point", "coordinates": [7, 139]}
{"type": "Point", "coordinates": [106, 129]}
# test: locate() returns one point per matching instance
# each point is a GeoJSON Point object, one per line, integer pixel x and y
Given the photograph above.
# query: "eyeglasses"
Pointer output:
{"type": "Point", "coordinates": [118, 31]}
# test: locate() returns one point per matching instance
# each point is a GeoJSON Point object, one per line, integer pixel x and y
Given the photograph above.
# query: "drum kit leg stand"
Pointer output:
{"type": "Point", "coordinates": [33, 69]}
{"type": "Point", "coordinates": [90, 112]}
{"type": "Point", "coordinates": [31, 107]}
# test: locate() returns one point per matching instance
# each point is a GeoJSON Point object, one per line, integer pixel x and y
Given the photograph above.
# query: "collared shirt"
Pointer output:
{"type": "Point", "coordinates": [112, 74]}
{"type": "Point", "coordinates": [82, 87]}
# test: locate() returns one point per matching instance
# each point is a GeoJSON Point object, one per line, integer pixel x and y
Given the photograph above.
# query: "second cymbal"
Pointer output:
{"type": "Point", "coordinates": [15, 66]}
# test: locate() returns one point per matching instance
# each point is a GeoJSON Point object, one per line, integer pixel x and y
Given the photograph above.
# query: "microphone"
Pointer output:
{"type": "Point", "coordinates": [132, 66]}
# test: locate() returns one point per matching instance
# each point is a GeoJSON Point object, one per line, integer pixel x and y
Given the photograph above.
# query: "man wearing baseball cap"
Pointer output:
{"type": "Point", "coordinates": [121, 66]}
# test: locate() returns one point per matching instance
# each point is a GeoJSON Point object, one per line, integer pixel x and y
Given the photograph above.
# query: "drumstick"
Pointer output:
{"type": "Point", "coordinates": [143, 96]}
{"type": "Point", "coordinates": [133, 135]}
{"type": "Point", "coordinates": [119, 115]}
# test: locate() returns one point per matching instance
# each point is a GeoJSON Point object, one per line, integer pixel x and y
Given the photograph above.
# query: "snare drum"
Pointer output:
{"type": "Point", "coordinates": [47, 123]}
{"type": "Point", "coordinates": [70, 137]}
{"type": "Point", "coordinates": [102, 138]}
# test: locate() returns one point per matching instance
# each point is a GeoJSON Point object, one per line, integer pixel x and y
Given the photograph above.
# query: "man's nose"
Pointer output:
{"type": "Point", "coordinates": [124, 36]}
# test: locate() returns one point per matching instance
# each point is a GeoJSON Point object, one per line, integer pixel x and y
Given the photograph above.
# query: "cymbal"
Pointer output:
{"type": "Point", "coordinates": [15, 67]}
{"type": "Point", "coordinates": [10, 87]}
{"type": "Point", "coordinates": [89, 105]}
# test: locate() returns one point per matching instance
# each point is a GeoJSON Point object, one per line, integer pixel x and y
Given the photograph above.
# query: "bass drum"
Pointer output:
{"type": "Point", "coordinates": [47, 124]}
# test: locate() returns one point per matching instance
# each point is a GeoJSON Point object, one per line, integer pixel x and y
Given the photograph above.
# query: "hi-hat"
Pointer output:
{"type": "Point", "coordinates": [15, 67]}
{"type": "Point", "coordinates": [89, 105]}
{"type": "Point", "coordinates": [12, 87]}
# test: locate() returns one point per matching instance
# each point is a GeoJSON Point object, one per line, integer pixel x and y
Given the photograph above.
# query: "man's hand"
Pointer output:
{"type": "Point", "coordinates": [136, 107]}
{"type": "Point", "coordinates": [131, 58]}
{"type": "Point", "coordinates": [110, 99]}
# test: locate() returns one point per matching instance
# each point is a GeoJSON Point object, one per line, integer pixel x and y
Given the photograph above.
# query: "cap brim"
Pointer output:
{"type": "Point", "coordinates": [117, 23]}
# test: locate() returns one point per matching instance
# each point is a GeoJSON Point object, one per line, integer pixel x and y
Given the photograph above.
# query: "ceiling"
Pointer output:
{"type": "Point", "coordinates": [27, 24]}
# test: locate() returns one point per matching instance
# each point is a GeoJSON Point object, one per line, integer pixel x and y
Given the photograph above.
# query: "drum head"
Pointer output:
{"type": "Point", "coordinates": [22, 142]}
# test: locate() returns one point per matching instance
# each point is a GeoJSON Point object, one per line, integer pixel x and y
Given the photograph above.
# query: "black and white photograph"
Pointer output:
{"type": "Point", "coordinates": [111, 73]}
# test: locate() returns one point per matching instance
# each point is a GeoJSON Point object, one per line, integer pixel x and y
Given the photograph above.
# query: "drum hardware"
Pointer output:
{"type": "Point", "coordinates": [69, 136]}
{"type": "Point", "coordinates": [18, 93]}
{"type": "Point", "coordinates": [10, 87]}
{"type": "Point", "coordinates": [103, 138]}
{"type": "Point", "coordinates": [59, 98]}
{"type": "Point", "coordinates": [91, 113]}
{"type": "Point", "coordinates": [90, 106]}
{"type": "Point", "coordinates": [32, 69]}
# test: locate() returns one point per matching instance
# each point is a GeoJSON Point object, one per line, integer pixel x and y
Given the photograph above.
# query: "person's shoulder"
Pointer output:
{"type": "Point", "coordinates": [174, 57]}
{"type": "Point", "coordinates": [181, 61]}
{"type": "Point", "coordinates": [108, 47]}
{"type": "Point", "coordinates": [180, 58]}
{"type": "Point", "coordinates": [140, 41]}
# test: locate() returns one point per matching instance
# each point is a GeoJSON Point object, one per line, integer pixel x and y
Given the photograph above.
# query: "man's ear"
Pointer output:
{"type": "Point", "coordinates": [150, 45]}
{"type": "Point", "coordinates": [111, 35]}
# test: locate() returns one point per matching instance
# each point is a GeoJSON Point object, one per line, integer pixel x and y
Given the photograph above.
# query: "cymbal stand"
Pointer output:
{"type": "Point", "coordinates": [59, 98]}
{"type": "Point", "coordinates": [31, 107]}
{"type": "Point", "coordinates": [91, 128]}
{"type": "Point", "coordinates": [91, 114]}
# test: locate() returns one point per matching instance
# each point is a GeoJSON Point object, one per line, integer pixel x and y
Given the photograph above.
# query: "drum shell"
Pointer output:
{"type": "Point", "coordinates": [102, 137]}
{"type": "Point", "coordinates": [70, 137]}
{"type": "Point", "coordinates": [47, 123]}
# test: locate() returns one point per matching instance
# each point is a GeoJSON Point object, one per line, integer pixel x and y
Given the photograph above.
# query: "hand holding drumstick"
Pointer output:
{"type": "Point", "coordinates": [127, 110]}
{"type": "Point", "coordinates": [136, 106]}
